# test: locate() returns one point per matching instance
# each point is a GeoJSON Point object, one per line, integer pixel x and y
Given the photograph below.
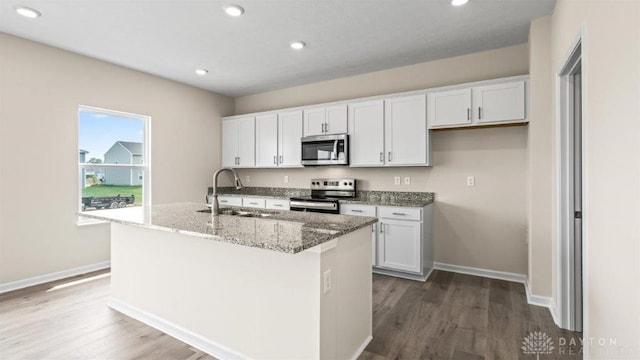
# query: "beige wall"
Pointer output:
{"type": "Point", "coordinates": [40, 90]}
{"type": "Point", "coordinates": [482, 226]}
{"type": "Point", "coordinates": [611, 121]}
{"type": "Point", "coordinates": [541, 165]}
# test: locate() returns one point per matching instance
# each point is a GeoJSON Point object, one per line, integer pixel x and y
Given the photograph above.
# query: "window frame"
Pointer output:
{"type": "Point", "coordinates": [146, 157]}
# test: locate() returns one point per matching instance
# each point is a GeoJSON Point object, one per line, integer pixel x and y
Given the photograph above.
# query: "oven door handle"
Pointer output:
{"type": "Point", "coordinates": [313, 205]}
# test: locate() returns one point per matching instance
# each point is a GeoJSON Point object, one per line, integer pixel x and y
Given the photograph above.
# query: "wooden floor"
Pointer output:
{"type": "Point", "coordinates": [451, 316]}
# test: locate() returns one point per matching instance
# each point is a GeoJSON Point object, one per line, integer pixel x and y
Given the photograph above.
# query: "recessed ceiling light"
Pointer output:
{"type": "Point", "coordinates": [28, 12]}
{"type": "Point", "coordinates": [459, 2]}
{"type": "Point", "coordinates": [297, 45]}
{"type": "Point", "coordinates": [233, 10]}
{"type": "Point", "coordinates": [202, 72]}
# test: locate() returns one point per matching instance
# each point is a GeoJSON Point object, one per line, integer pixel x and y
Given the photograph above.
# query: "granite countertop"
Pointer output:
{"type": "Point", "coordinates": [283, 231]}
{"type": "Point", "coordinates": [364, 197]}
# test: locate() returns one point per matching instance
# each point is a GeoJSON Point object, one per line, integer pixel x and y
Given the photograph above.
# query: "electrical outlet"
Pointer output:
{"type": "Point", "coordinates": [327, 281]}
{"type": "Point", "coordinates": [396, 180]}
{"type": "Point", "coordinates": [407, 180]}
{"type": "Point", "coordinates": [286, 179]}
{"type": "Point", "coordinates": [471, 181]}
{"type": "Point", "coordinates": [248, 178]}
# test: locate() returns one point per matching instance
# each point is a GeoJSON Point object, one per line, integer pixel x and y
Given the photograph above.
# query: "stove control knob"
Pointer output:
{"type": "Point", "coordinates": [345, 183]}
{"type": "Point", "coordinates": [350, 183]}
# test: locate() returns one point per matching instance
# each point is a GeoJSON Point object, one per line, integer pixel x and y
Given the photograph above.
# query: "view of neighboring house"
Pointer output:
{"type": "Point", "coordinates": [82, 159]}
{"type": "Point", "coordinates": [123, 152]}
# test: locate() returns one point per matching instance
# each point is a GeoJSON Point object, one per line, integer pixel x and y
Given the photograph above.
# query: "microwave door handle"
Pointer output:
{"type": "Point", "coordinates": [335, 150]}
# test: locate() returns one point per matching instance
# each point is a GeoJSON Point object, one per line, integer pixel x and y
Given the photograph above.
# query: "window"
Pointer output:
{"type": "Point", "coordinates": [113, 157]}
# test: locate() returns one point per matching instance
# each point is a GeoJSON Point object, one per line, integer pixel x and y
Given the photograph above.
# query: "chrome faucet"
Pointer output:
{"type": "Point", "coordinates": [215, 208]}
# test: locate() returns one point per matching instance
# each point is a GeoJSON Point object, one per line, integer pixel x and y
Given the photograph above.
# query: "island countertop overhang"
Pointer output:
{"type": "Point", "coordinates": [285, 231]}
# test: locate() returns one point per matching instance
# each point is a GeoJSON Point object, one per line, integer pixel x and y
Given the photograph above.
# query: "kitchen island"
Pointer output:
{"type": "Point", "coordinates": [286, 285]}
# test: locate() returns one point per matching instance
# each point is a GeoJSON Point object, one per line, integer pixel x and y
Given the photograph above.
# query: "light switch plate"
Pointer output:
{"type": "Point", "coordinates": [286, 179]}
{"type": "Point", "coordinates": [396, 180]}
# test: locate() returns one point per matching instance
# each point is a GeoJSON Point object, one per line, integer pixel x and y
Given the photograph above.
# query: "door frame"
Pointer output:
{"type": "Point", "coordinates": [564, 181]}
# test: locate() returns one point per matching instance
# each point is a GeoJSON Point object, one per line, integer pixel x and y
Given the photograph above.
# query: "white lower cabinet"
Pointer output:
{"type": "Point", "coordinates": [399, 244]}
{"type": "Point", "coordinates": [229, 201]}
{"type": "Point", "coordinates": [402, 243]}
{"type": "Point", "coordinates": [253, 202]}
{"type": "Point", "coordinates": [364, 210]}
{"type": "Point", "coordinates": [277, 204]}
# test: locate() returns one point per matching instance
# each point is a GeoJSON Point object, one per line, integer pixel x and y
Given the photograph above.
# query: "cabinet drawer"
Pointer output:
{"type": "Point", "coordinates": [253, 203]}
{"type": "Point", "coordinates": [400, 213]}
{"type": "Point", "coordinates": [355, 209]}
{"type": "Point", "coordinates": [229, 201]}
{"type": "Point", "coordinates": [277, 204]}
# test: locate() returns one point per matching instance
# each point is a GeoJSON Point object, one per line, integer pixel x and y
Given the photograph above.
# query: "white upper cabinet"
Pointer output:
{"type": "Point", "coordinates": [325, 120]}
{"type": "Point", "coordinates": [391, 132]}
{"type": "Point", "coordinates": [314, 120]}
{"type": "Point", "coordinates": [267, 140]}
{"type": "Point", "coordinates": [447, 108]}
{"type": "Point", "coordinates": [278, 139]}
{"type": "Point", "coordinates": [388, 130]}
{"type": "Point", "coordinates": [336, 119]}
{"type": "Point", "coordinates": [290, 132]}
{"type": "Point", "coordinates": [366, 130]}
{"type": "Point", "coordinates": [499, 103]}
{"type": "Point", "coordinates": [406, 131]}
{"type": "Point", "coordinates": [229, 143]}
{"type": "Point", "coordinates": [246, 142]}
{"type": "Point", "coordinates": [238, 142]}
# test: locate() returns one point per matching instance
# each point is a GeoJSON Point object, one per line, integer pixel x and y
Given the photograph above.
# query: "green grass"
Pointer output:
{"type": "Point", "coordinates": [113, 190]}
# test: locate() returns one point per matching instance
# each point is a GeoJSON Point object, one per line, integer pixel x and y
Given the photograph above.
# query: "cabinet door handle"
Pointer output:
{"type": "Point", "coordinates": [326, 127]}
{"type": "Point", "coordinates": [223, 201]}
{"type": "Point", "coordinates": [468, 114]}
{"type": "Point", "coordinates": [322, 127]}
{"type": "Point", "coordinates": [355, 210]}
{"type": "Point", "coordinates": [281, 159]}
{"type": "Point", "coordinates": [479, 113]}
{"type": "Point", "coordinates": [399, 214]}
{"type": "Point", "coordinates": [275, 159]}
{"type": "Point", "coordinates": [381, 227]}
{"type": "Point", "coordinates": [381, 156]}
{"type": "Point", "coordinates": [389, 157]}
{"type": "Point", "coordinates": [373, 228]}
{"type": "Point", "coordinates": [279, 205]}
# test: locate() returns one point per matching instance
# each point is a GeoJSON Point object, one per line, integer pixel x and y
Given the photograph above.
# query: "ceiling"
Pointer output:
{"type": "Point", "coordinates": [251, 53]}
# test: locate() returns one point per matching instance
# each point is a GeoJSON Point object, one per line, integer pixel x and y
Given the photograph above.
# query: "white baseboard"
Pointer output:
{"type": "Point", "coordinates": [362, 347]}
{"type": "Point", "coordinates": [492, 274]}
{"type": "Point", "coordinates": [41, 279]}
{"type": "Point", "coordinates": [555, 314]}
{"type": "Point", "coordinates": [171, 329]}
{"type": "Point", "coordinates": [537, 300]}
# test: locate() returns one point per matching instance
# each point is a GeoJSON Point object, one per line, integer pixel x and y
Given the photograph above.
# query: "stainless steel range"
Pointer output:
{"type": "Point", "coordinates": [325, 196]}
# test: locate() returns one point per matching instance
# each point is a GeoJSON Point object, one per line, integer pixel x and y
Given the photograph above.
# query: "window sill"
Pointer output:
{"type": "Point", "coordinates": [85, 221]}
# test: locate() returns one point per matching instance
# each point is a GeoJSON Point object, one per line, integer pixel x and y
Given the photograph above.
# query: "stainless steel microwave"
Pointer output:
{"type": "Point", "coordinates": [325, 150]}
